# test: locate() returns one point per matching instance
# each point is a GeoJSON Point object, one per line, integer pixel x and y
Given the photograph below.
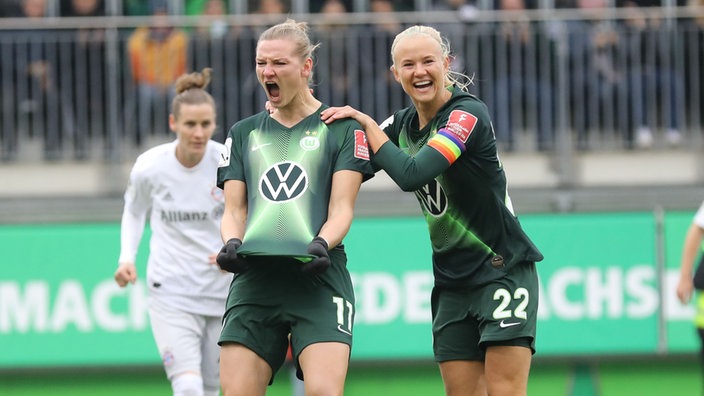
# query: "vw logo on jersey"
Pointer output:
{"type": "Point", "coordinates": [283, 182]}
{"type": "Point", "coordinates": [433, 198]}
{"type": "Point", "coordinates": [309, 143]}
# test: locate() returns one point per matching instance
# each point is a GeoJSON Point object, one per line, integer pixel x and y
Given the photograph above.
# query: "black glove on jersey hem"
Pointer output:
{"type": "Point", "coordinates": [318, 248]}
{"type": "Point", "coordinates": [227, 258]}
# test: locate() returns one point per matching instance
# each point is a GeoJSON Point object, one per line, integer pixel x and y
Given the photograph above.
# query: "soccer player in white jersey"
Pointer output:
{"type": "Point", "coordinates": [175, 183]}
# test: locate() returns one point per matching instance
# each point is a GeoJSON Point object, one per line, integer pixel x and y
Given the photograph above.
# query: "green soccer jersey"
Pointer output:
{"type": "Point", "coordinates": [288, 173]}
{"type": "Point", "coordinates": [461, 187]}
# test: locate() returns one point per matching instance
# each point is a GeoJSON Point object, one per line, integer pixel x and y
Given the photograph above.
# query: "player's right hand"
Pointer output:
{"type": "Point", "coordinates": [227, 258]}
{"type": "Point", "coordinates": [125, 273]}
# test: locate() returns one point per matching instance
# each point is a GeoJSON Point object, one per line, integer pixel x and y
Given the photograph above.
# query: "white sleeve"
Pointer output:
{"type": "Point", "coordinates": [134, 216]}
{"type": "Point", "coordinates": [699, 217]}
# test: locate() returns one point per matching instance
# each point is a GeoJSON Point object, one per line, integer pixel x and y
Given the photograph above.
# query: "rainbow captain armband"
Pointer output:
{"type": "Point", "coordinates": [448, 144]}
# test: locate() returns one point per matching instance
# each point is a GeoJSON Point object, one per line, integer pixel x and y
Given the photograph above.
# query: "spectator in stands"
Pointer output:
{"type": "Point", "coordinates": [694, 62]}
{"type": "Point", "coordinates": [342, 60]}
{"type": "Point", "coordinates": [87, 72]}
{"type": "Point", "coordinates": [322, 6]}
{"type": "Point", "coordinates": [597, 72]}
{"type": "Point", "coordinates": [136, 7]}
{"type": "Point", "coordinates": [378, 88]}
{"type": "Point", "coordinates": [216, 28]}
{"type": "Point", "coordinates": [215, 44]}
{"type": "Point", "coordinates": [158, 55]}
{"type": "Point", "coordinates": [271, 7]}
{"type": "Point", "coordinates": [39, 109]}
{"type": "Point", "coordinates": [523, 90]}
{"type": "Point", "coordinates": [656, 85]}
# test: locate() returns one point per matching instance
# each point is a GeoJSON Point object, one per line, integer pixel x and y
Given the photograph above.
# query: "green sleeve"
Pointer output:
{"type": "Point", "coordinates": [410, 173]}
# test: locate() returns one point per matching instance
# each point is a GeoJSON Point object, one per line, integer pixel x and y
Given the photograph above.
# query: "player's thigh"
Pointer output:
{"type": "Point", "coordinates": [261, 328]}
{"type": "Point", "coordinates": [178, 337]}
{"type": "Point", "coordinates": [242, 371]}
{"type": "Point", "coordinates": [323, 311]}
{"type": "Point", "coordinates": [463, 378]}
{"type": "Point", "coordinates": [506, 369]}
{"type": "Point", "coordinates": [325, 366]}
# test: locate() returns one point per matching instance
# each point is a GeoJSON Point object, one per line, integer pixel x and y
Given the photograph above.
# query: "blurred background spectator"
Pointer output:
{"type": "Point", "coordinates": [38, 108]}
{"type": "Point", "coordinates": [597, 78]}
{"type": "Point", "coordinates": [656, 86]}
{"type": "Point", "coordinates": [86, 71]}
{"type": "Point", "coordinates": [157, 55]}
{"type": "Point", "coordinates": [523, 93]}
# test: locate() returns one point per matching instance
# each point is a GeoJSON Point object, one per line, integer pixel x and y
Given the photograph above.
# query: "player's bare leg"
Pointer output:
{"type": "Point", "coordinates": [507, 369]}
{"type": "Point", "coordinates": [324, 368]}
{"type": "Point", "coordinates": [242, 372]}
{"type": "Point", "coordinates": [463, 378]}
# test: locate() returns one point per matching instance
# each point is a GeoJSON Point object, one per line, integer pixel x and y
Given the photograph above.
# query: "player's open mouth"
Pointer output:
{"type": "Point", "coordinates": [423, 84]}
{"type": "Point", "coordinates": [273, 89]}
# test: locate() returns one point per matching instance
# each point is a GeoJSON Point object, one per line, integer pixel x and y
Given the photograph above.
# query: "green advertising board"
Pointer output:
{"type": "Point", "coordinates": [607, 287]}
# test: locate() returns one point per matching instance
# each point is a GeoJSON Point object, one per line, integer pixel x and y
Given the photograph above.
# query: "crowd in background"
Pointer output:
{"type": "Point", "coordinates": [636, 78]}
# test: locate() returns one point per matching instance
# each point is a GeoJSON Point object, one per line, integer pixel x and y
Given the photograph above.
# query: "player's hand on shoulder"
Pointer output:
{"type": "Point", "coordinates": [228, 259]}
{"type": "Point", "coordinates": [126, 273]}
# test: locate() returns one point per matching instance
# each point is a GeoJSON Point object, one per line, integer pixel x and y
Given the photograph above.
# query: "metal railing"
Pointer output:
{"type": "Point", "coordinates": [555, 81]}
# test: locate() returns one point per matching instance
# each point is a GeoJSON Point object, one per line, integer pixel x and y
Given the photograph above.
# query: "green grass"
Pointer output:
{"type": "Point", "coordinates": [641, 378]}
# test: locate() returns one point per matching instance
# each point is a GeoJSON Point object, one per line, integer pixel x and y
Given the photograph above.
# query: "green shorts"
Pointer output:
{"type": "Point", "coordinates": [501, 312]}
{"type": "Point", "coordinates": [274, 299]}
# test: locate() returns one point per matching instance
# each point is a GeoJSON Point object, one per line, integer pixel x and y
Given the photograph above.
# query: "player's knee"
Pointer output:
{"type": "Point", "coordinates": [187, 384]}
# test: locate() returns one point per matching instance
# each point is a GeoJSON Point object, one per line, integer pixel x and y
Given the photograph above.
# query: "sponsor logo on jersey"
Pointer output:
{"type": "Point", "coordinates": [259, 146]}
{"type": "Point", "coordinates": [361, 148]}
{"type": "Point", "coordinates": [433, 198]}
{"type": "Point", "coordinates": [310, 142]}
{"type": "Point", "coordinates": [179, 216]}
{"type": "Point", "coordinates": [504, 325]}
{"type": "Point", "coordinates": [461, 124]}
{"type": "Point", "coordinates": [283, 182]}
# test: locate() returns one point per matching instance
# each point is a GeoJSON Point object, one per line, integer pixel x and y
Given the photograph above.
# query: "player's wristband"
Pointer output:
{"type": "Point", "coordinates": [324, 241]}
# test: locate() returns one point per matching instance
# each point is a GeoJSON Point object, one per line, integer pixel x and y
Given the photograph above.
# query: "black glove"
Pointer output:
{"type": "Point", "coordinates": [227, 258]}
{"type": "Point", "coordinates": [318, 248]}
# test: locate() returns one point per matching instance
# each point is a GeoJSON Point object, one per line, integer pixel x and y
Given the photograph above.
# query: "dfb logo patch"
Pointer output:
{"type": "Point", "coordinates": [461, 124]}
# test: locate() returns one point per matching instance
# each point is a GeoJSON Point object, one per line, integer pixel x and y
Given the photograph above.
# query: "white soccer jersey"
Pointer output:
{"type": "Point", "coordinates": [186, 208]}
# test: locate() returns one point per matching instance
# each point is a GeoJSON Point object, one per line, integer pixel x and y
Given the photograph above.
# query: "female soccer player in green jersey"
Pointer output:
{"type": "Point", "coordinates": [485, 297]}
{"type": "Point", "coordinates": [290, 183]}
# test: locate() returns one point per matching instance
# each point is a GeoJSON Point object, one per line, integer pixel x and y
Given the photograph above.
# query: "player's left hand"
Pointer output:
{"type": "Point", "coordinates": [228, 260]}
{"type": "Point", "coordinates": [318, 248]}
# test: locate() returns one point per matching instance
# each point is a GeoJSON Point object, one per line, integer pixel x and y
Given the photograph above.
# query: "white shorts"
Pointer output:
{"type": "Point", "coordinates": [187, 342]}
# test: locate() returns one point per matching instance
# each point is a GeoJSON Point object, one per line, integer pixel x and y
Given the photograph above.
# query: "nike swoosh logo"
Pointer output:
{"type": "Point", "coordinates": [504, 325]}
{"type": "Point", "coordinates": [257, 147]}
{"type": "Point", "coordinates": [341, 330]}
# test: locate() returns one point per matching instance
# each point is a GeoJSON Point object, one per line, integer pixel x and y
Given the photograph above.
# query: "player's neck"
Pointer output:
{"type": "Point", "coordinates": [297, 110]}
{"type": "Point", "coordinates": [428, 110]}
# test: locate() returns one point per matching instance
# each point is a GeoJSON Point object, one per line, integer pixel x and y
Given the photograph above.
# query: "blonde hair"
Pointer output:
{"type": "Point", "coordinates": [452, 77]}
{"type": "Point", "coordinates": [190, 90]}
{"type": "Point", "coordinates": [296, 32]}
